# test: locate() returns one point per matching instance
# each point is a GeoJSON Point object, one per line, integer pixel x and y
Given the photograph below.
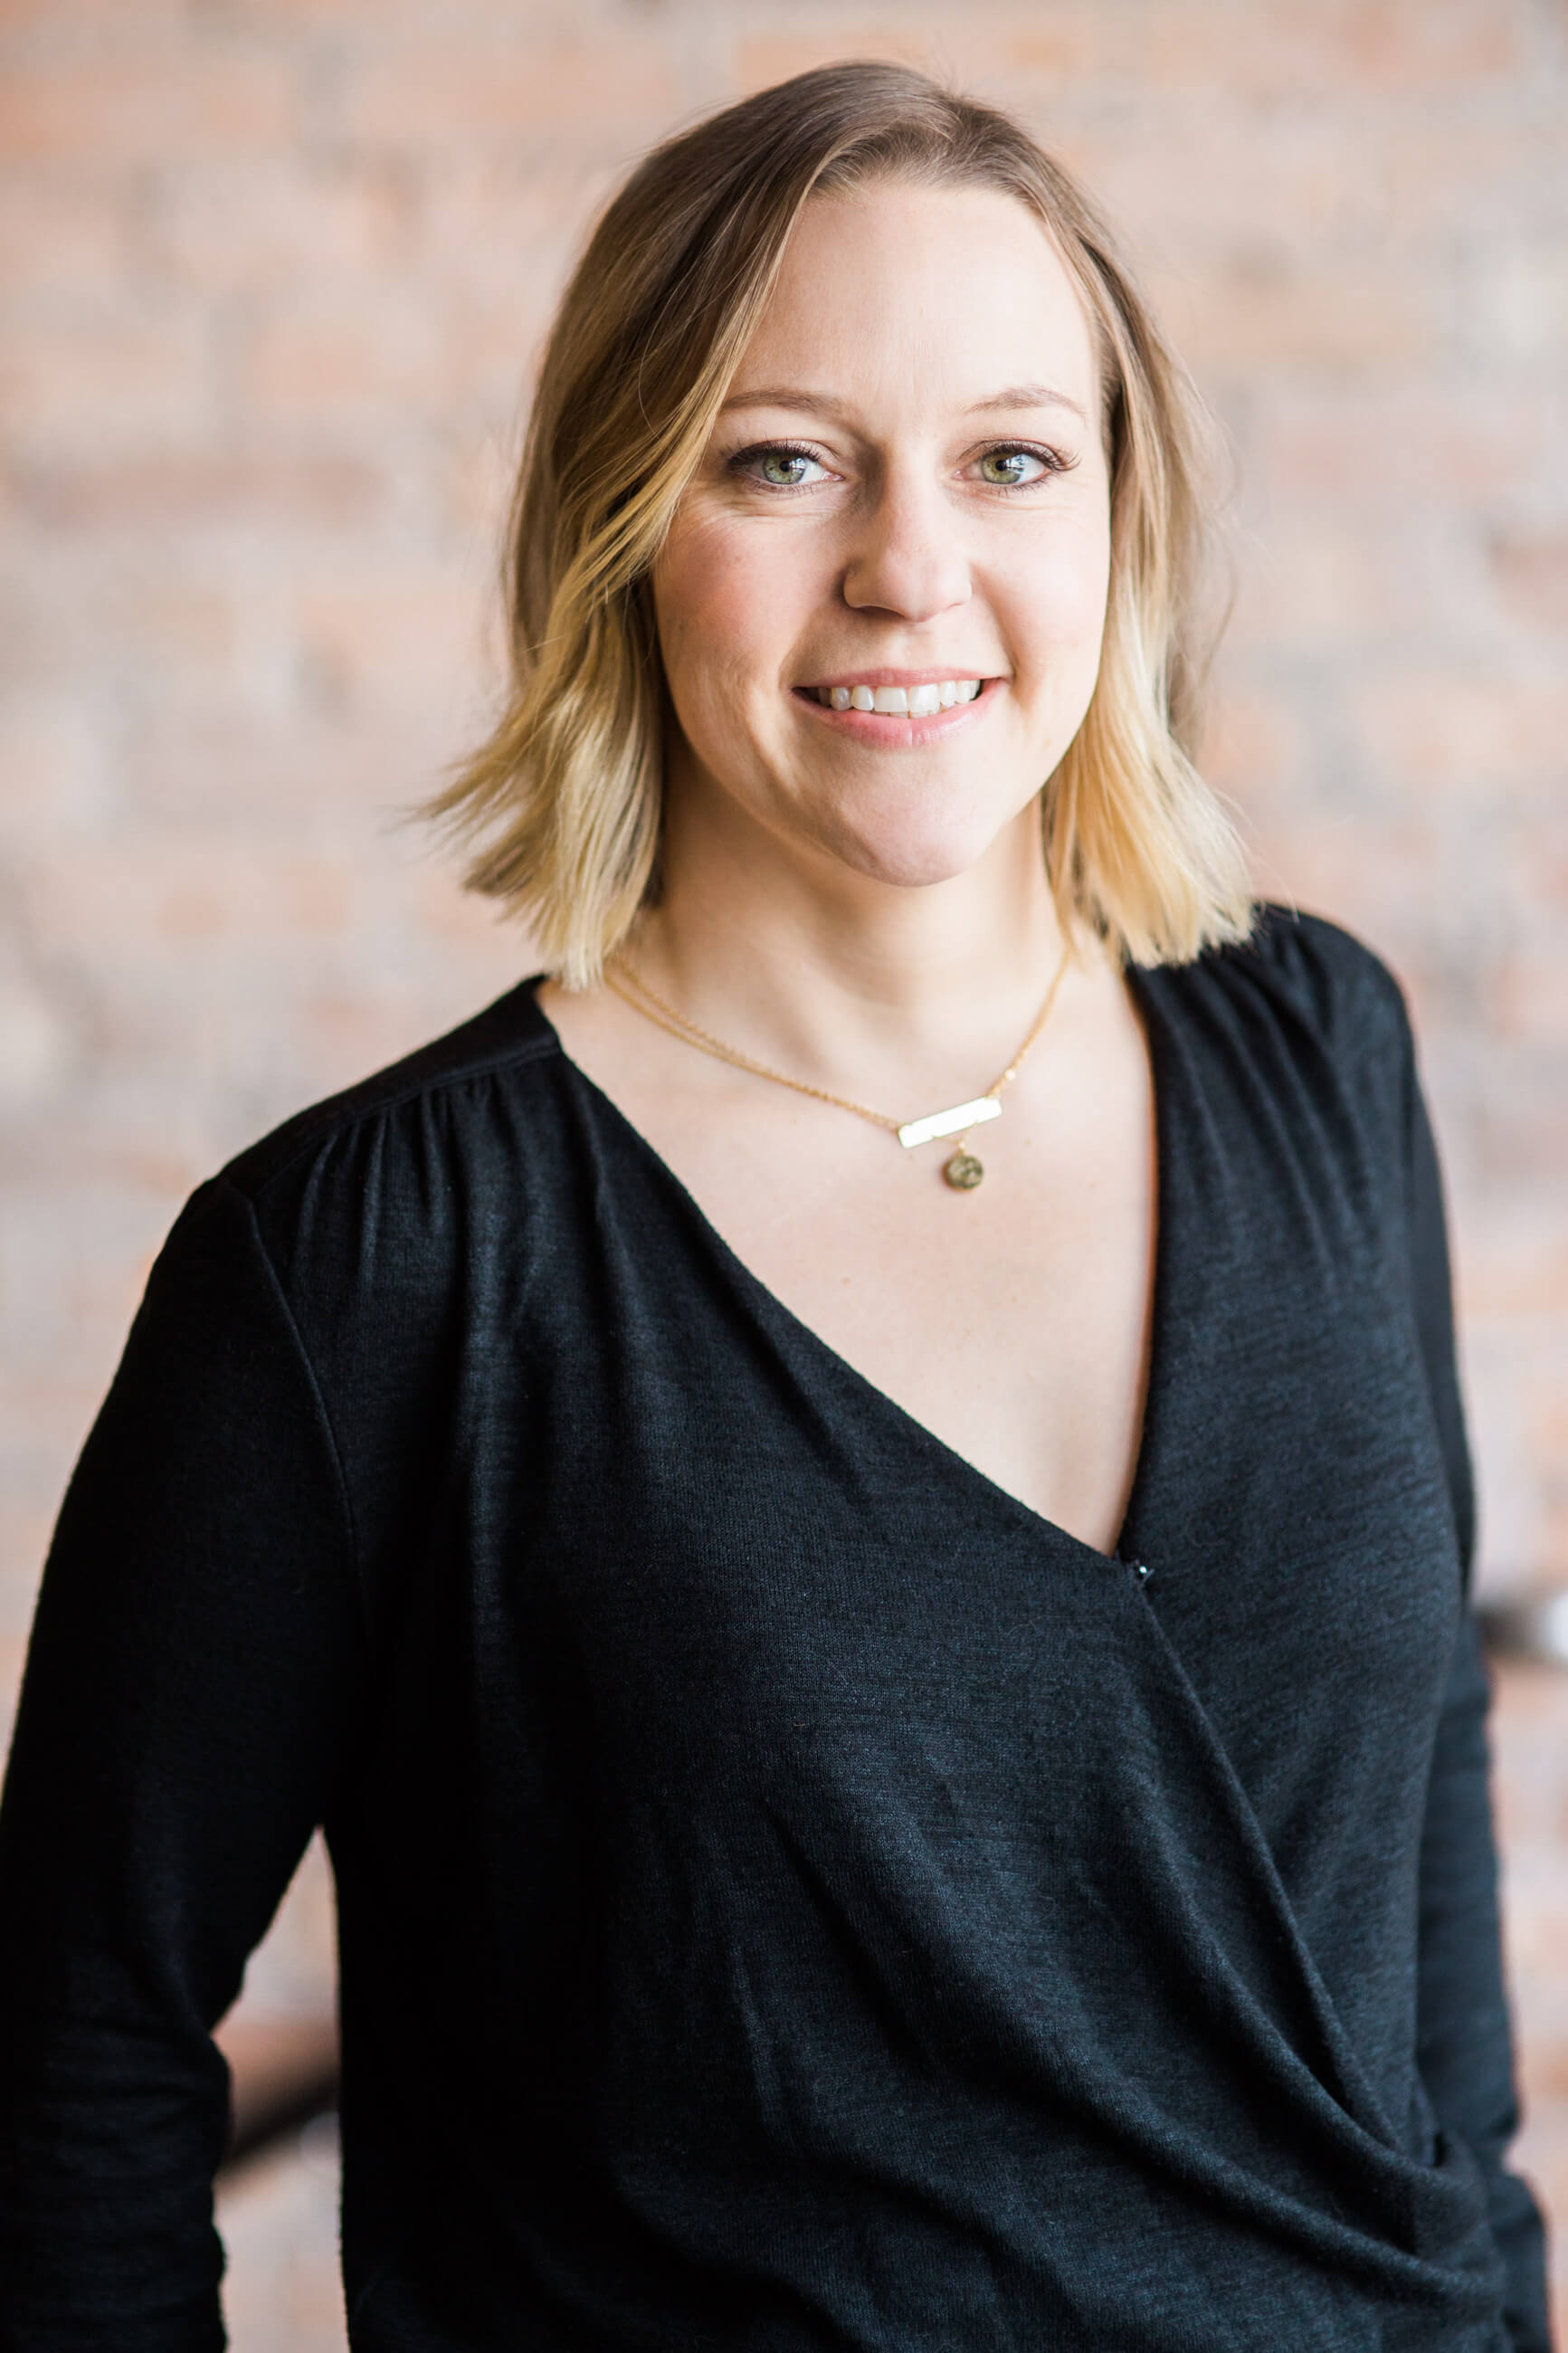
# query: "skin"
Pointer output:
{"type": "Point", "coordinates": [908, 480]}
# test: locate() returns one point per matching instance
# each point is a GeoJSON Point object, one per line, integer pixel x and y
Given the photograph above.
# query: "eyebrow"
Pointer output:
{"type": "Point", "coordinates": [823, 403]}
{"type": "Point", "coordinates": [1029, 395]}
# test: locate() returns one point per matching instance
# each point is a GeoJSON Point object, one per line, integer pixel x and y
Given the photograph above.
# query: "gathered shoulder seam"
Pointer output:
{"type": "Point", "coordinates": [341, 1114]}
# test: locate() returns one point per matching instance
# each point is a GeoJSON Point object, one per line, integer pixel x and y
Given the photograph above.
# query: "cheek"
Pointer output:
{"type": "Point", "coordinates": [1059, 608]}
{"type": "Point", "coordinates": [705, 668]}
{"type": "Point", "coordinates": [722, 604]}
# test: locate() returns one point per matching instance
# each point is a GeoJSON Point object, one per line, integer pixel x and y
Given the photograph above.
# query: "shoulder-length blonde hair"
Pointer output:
{"type": "Point", "coordinates": [563, 802]}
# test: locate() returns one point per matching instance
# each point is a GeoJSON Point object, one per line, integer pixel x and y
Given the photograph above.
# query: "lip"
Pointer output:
{"type": "Point", "coordinates": [894, 731]}
{"type": "Point", "coordinates": [892, 678]}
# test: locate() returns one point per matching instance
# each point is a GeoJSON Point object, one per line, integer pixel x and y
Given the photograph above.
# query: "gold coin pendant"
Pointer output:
{"type": "Point", "coordinates": [963, 1172]}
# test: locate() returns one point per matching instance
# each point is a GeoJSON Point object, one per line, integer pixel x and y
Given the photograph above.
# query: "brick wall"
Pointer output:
{"type": "Point", "coordinates": [270, 273]}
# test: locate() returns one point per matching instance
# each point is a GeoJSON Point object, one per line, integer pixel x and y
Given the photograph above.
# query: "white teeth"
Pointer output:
{"type": "Point", "coordinates": [901, 701]}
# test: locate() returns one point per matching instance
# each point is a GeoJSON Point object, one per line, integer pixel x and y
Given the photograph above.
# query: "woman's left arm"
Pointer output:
{"type": "Point", "coordinates": [1465, 2048]}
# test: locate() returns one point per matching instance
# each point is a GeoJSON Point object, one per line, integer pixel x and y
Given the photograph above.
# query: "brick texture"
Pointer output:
{"type": "Point", "coordinates": [271, 275]}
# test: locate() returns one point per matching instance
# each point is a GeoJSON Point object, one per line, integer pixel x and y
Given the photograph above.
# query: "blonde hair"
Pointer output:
{"type": "Point", "coordinates": [563, 802]}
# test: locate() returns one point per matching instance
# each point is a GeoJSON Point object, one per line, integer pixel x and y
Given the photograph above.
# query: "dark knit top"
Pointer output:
{"type": "Point", "coordinates": [792, 1896]}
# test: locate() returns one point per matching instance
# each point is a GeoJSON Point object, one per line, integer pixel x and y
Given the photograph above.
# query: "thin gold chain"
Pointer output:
{"type": "Point", "coordinates": [644, 998]}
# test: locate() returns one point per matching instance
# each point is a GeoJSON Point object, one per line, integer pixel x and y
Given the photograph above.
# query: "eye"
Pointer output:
{"type": "Point", "coordinates": [779, 466]}
{"type": "Point", "coordinates": [1013, 469]}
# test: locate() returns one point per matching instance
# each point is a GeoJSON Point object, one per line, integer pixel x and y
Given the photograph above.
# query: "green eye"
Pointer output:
{"type": "Point", "coordinates": [778, 466]}
{"type": "Point", "coordinates": [1009, 469]}
{"type": "Point", "coordinates": [786, 468]}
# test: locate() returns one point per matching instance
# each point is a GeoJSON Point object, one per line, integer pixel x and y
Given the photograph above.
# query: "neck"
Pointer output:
{"type": "Point", "coordinates": [845, 978]}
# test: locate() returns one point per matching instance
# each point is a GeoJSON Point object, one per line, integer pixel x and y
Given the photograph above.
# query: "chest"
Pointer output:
{"type": "Point", "coordinates": [691, 1569]}
{"type": "Point", "coordinates": [759, 1593]}
{"type": "Point", "coordinates": [1011, 1319]}
{"type": "Point", "coordinates": [780, 1336]}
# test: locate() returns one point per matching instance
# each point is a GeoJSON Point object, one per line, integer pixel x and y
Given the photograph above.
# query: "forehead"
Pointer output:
{"type": "Point", "coordinates": [909, 296]}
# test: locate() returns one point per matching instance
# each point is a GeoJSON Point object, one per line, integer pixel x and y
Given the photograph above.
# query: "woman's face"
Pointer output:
{"type": "Point", "coordinates": [906, 497]}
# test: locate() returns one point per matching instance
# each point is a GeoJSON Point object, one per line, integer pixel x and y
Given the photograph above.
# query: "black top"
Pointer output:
{"type": "Point", "coordinates": [793, 1896]}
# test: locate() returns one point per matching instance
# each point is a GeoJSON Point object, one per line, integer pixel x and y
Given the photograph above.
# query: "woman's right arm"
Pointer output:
{"type": "Point", "coordinates": [196, 1668]}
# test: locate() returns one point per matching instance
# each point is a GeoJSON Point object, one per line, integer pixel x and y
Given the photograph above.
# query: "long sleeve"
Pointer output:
{"type": "Point", "coordinates": [185, 1714]}
{"type": "Point", "coordinates": [1465, 2049]}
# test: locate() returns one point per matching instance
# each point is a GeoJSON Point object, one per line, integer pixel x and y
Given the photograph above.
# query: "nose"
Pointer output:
{"type": "Point", "coordinates": [908, 559]}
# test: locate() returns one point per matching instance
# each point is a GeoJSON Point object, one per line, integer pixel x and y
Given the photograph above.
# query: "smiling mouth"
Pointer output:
{"type": "Point", "coordinates": [922, 702]}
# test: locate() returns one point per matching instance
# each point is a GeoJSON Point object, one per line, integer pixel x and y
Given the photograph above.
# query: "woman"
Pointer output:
{"type": "Point", "coordinates": [901, 1748]}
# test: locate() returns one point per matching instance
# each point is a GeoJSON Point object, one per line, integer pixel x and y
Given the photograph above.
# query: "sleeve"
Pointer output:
{"type": "Point", "coordinates": [184, 1721]}
{"type": "Point", "coordinates": [1465, 2045]}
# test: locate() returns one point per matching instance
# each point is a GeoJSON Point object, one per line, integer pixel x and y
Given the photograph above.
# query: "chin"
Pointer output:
{"type": "Point", "coordinates": [912, 856]}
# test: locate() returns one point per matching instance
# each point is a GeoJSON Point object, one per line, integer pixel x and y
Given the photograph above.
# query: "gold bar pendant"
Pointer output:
{"type": "Point", "coordinates": [949, 1123]}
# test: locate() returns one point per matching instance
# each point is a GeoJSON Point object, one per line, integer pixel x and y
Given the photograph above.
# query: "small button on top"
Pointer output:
{"type": "Point", "coordinates": [1141, 1570]}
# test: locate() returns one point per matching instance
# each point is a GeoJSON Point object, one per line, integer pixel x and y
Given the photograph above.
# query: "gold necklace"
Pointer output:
{"type": "Point", "coordinates": [963, 1171]}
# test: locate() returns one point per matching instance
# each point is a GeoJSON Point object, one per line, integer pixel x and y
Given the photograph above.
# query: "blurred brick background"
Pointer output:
{"type": "Point", "coordinates": [271, 275]}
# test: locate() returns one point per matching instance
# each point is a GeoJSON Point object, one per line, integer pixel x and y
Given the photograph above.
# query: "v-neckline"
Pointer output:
{"type": "Point", "coordinates": [768, 1305]}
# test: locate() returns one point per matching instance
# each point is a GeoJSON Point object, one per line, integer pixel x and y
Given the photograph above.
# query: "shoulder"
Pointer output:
{"type": "Point", "coordinates": [451, 1079]}
{"type": "Point", "coordinates": [1306, 986]}
{"type": "Point", "coordinates": [376, 1196]}
{"type": "Point", "coordinates": [1297, 1044]}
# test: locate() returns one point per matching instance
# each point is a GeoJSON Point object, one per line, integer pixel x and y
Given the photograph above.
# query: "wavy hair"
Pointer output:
{"type": "Point", "coordinates": [561, 806]}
